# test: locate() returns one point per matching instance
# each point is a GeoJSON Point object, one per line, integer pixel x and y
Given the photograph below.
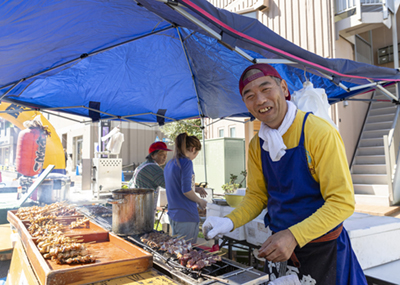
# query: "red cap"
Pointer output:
{"type": "Point", "coordinates": [266, 70]}
{"type": "Point", "coordinates": [158, 146]}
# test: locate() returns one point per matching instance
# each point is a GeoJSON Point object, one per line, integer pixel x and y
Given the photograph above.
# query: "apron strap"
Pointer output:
{"type": "Point", "coordinates": [301, 142]}
{"type": "Point", "coordinates": [328, 237]}
{"type": "Point", "coordinates": [331, 236]}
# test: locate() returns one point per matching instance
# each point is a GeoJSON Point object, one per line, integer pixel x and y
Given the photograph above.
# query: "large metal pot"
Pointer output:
{"type": "Point", "coordinates": [132, 211]}
{"type": "Point", "coordinates": [55, 188]}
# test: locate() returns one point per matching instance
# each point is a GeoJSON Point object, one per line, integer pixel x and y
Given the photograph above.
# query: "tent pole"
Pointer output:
{"type": "Point", "coordinates": [204, 148]}
{"type": "Point", "coordinates": [198, 103]}
{"type": "Point", "coordinates": [395, 46]}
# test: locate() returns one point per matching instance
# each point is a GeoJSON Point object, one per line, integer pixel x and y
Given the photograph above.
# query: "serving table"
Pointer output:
{"type": "Point", "coordinates": [117, 261]}
{"type": "Point", "coordinates": [21, 272]}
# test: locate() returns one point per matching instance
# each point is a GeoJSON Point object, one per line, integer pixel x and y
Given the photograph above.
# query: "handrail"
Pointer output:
{"type": "Point", "coordinates": [361, 132]}
{"type": "Point", "coordinates": [391, 132]}
{"type": "Point", "coordinates": [391, 148]}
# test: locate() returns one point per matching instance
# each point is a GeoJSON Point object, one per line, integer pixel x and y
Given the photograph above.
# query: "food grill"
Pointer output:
{"type": "Point", "coordinates": [225, 271]}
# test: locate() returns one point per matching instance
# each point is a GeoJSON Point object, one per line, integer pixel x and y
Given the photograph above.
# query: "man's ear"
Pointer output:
{"type": "Point", "coordinates": [285, 87]}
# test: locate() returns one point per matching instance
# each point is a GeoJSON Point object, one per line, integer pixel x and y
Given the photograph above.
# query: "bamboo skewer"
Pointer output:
{"type": "Point", "coordinates": [215, 252]}
{"type": "Point", "coordinates": [195, 244]}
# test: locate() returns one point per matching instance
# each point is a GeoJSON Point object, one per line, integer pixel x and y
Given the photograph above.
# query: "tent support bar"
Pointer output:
{"type": "Point", "coordinates": [364, 100]}
{"type": "Point", "coordinates": [214, 121]}
{"type": "Point", "coordinates": [201, 113]}
{"type": "Point", "coordinates": [59, 108]}
{"type": "Point", "coordinates": [146, 125]}
{"type": "Point", "coordinates": [142, 114]}
{"type": "Point", "coordinates": [84, 56]}
{"type": "Point", "coordinates": [386, 92]}
{"type": "Point", "coordinates": [157, 115]}
{"type": "Point", "coordinates": [217, 120]}
{"type": "Point", "coordinates": [198, 103]}
{"type": "Point", "coordinates": [341, 85]}
{"type": "Point", "coordinates": [111, 116]}
{"type": "Point", "coordinates": [194, 20]}
{"type": "Point", "coordinates": [9, 90]}
{"type": "Point", "coordinates": [390, 95]}
{"type": "Point", "coordinates": [57, 115]}
{"type": "Point", "coordinates": [274, 61]}
{"type": "Point", "coordinates": [205, 28]}
{"type": "Point", "coordinates": [366, 85]}
{"type": "Point", "coordinates": [232, 120]}
{"type": "Point", "coordinates": [245, 55]}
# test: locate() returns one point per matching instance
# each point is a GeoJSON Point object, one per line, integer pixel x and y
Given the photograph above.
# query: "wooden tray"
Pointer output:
{"type": "Point", "coordinates": [115, 257]}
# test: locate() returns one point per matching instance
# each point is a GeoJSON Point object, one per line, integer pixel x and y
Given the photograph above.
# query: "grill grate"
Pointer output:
{"type": "Point", "coordinates": [222, 272]}
{"type": "Point", "coordinates": [99, 214]}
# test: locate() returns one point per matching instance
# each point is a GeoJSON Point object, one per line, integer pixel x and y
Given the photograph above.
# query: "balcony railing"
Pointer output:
{"type": "Point", "coordinates": [342, 6]}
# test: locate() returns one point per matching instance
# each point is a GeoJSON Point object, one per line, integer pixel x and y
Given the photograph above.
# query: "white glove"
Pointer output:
{"type": "Point", "coordinates": [286, 280]}
{"type": "Point", "coordinates": [214, 226]}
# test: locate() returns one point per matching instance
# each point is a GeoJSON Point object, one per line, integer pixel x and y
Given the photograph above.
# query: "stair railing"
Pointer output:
{"type": "Point", "coordinates": [361, 133]}
{"type": "Point", "coordinates": [391, 143]}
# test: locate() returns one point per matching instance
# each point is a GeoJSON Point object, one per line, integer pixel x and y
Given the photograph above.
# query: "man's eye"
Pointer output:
{"type": "Point", "coordinates": [249, 96]}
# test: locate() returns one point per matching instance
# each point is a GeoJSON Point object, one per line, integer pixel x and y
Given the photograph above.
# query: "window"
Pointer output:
{"type": "Point", "coordinates": [78, 146]}
{"type": "Point", "coordinates": [232, 132]}
{"type": "Point", "coordinates": [251, 14]}
{"type": "Point", "coordinates": [221, 133]}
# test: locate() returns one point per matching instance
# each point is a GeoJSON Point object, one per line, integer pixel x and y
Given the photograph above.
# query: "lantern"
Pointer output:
{"type": "Point", "coordinates": [31, 148]}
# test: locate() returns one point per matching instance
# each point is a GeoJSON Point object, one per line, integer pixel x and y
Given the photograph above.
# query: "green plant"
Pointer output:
{"type": "Point", "coordinates": [232, 186]}
{"type": "Point", "coordinates": [173, 129]}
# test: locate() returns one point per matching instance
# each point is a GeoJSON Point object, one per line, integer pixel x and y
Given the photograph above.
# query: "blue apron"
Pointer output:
{"type": "Point", "coordinates": [294, 195]}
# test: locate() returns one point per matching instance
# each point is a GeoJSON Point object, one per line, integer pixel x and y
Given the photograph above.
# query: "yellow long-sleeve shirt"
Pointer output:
{"type": "Point", "coordinates": [327, 164]}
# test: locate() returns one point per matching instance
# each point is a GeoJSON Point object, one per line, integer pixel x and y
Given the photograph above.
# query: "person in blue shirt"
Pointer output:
{"type": "Point", "coordinates": [181, 191]}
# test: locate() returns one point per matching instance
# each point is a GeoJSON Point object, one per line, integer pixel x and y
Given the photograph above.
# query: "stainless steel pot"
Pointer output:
{"type": "Point", "coordinates": [132, 211]}
{"type": "Point", "coordinates": [55, 188]}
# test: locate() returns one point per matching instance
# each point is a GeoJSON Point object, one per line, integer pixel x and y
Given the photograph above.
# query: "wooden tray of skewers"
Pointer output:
{"type": "Point", "coordinates": [73, 250]}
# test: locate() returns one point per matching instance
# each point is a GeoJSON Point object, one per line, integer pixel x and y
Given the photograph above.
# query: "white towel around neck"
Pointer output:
{"type": "Point", "coordinates": [273, 142]}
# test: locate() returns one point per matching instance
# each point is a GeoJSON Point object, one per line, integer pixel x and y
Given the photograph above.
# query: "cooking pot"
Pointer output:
{"type": "Point", "coordinates": [55, 188]}
{"type": "Point", "coordinates": [132, 211]}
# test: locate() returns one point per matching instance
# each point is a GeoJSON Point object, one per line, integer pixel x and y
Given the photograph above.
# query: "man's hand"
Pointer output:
{"type": "Point", "coordinates": [278, 247]}
{"type": "Point", "coordinates": [201, 191]}
{"type": "Point", "coordinates": [214, 226]}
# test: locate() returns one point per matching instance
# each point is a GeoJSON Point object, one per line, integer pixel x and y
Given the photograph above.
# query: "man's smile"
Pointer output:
{"type": "Point", "coordinates": [266, 109]}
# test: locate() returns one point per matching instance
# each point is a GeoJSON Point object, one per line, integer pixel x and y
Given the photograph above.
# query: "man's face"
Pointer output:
{"type": "Point", "coordinates": [160, 157]}
{"type": "Point", "coordinates": [265, 100]}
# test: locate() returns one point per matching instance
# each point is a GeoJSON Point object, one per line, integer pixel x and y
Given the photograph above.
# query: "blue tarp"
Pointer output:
{"type": "Point", "coordinates": [141, 58]}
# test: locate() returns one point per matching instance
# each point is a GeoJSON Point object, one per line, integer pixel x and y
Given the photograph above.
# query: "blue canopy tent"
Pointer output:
{"type": "Point", "coordinates": [153, 60]}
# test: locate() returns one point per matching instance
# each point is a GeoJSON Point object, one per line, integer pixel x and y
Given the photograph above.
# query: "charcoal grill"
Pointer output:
{"type": "Point", "coordinates": [99, 214]}
{"type": "Point", "coordinates": [222, 272]}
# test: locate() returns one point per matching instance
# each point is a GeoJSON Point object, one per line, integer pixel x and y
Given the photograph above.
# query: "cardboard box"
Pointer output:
{"type": "Point", "coordinates": [256, 232]}
{"type": "Point", "coordinates": [222, 211]}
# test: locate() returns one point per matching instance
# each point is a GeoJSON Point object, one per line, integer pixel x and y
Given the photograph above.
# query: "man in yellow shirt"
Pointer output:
{"type": "Point", "coordinates": [297, 169]}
